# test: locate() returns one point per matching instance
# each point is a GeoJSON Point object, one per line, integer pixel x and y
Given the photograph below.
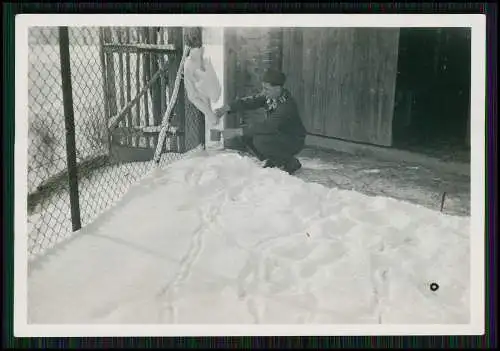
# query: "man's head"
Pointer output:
{"type": "Point", "coordinates": [272, 83]}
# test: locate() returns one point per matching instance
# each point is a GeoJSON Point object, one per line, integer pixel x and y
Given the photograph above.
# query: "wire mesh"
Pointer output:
{"type": "Point", "coordinates": [103, 83]}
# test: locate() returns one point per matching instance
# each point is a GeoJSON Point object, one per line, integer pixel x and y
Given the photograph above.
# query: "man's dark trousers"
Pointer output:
{"type": "Point", "coordinates": [276, 148]}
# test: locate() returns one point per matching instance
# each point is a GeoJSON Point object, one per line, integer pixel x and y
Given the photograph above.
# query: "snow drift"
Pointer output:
{"type": "Point", "coordinates": [218, 239]}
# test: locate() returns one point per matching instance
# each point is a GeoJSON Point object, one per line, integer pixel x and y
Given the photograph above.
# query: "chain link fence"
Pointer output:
{"type": "Point", "coordinates": [105, 168]}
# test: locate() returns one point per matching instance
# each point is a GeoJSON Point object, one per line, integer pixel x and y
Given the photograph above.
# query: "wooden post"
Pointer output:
{"type": "Point", "coordinates": [156, 88]}
{"type": "Point", "coordinates": [145, 79]}
{"type": "Point", "coordinates": [175, 38]}
{"type": "Point", "coordinates": [229, 72]}
{"type": "Point", "coordinates": [230, 59]}
{"type": "Point", "coordinates": [163, 82]}
{"type": "Point", "coordinates": [69, 123]}
{"type": "Point", "coordinates": [166, 122]}
{"type": "Point", "coordinates": [153, 38]}
{"type": "Point", "coordinates": [200, 118]}
{"type": "Point", "coordinates": [194, 124]}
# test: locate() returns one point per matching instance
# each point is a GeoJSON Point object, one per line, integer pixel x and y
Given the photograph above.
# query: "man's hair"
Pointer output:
{"type": "Point", "coordinates": [192, 37]}
{"type": "Point", "coordinates": [274, 77]}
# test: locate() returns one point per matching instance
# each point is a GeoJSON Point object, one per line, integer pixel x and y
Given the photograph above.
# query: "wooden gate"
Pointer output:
{"type": "Point", "coordinates": [344, 80]}
{"type": "Point", "coordinates": [140, 64]}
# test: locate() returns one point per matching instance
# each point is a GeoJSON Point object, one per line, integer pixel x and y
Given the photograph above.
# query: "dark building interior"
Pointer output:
{"type": "Point", "coordinates": [433, 92]}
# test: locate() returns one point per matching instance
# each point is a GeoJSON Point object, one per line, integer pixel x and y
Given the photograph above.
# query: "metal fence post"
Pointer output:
{"type": "Point", "coordinates": [69, 122]}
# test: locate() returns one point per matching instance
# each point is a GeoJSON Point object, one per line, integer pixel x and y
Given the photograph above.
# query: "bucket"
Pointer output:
{"type": "Point", "coordinates": [215, 135]}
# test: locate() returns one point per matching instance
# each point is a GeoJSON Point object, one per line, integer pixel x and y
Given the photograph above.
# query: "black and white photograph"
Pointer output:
{"type": "Point", "coordinates": [214, 172]}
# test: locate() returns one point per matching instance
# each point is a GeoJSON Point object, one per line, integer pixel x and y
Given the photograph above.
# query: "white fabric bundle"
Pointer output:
{"type": "Point", "coordinates": [202, 85]}
{"type": "Point", "coordinates": [207, 82]}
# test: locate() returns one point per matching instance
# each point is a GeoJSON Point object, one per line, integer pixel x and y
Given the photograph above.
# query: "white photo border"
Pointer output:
{"type": "Point", "coordinates": [476, 22]}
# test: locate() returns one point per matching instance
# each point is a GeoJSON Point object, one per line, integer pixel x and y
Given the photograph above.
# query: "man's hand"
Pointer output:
{"type": "Point", "coordinates": [222, 111]}
{"type": "Point", "coordinates": [232, 133]}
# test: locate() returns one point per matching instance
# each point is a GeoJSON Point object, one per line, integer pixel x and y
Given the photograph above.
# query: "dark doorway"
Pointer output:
{"type": "Point", "coordinates": [433, 92]}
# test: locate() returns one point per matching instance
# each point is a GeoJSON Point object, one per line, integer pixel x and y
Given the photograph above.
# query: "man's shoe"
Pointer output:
{"type": "Point", "coordinates": [292, 166]}
{"type": "Point", "coordinates": [269, 164]}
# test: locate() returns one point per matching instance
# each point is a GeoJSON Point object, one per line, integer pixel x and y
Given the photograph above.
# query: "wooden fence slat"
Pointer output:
{"type": "Point", "coordinates": [145, 77]}
{"type": "Point", "coordinates": [115, 120]}
{"type": "Point", "coordinates": [155, 88]}
{"type": "Point", "coordinates": [163, 81]}
{"type": "Point", "coordinates": [162, 78]}
{"type": "Point", "coordinates": [137, 87]}
{"type": "Point", "coordinates": [129, 87]}
{"type": "Point", "coordinates": [122, 75]}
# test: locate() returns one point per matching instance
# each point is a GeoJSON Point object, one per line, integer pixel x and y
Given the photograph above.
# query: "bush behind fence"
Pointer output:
{"type": "Point", "coordinates": [101, 180]}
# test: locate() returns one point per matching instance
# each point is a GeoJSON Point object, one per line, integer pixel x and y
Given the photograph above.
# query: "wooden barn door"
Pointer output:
{"type": "Point", "coordinates": [344, 80]}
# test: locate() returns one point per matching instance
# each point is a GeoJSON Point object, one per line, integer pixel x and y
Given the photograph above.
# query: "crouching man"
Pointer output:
{"type": "Point", "coordinates": [280, 136]}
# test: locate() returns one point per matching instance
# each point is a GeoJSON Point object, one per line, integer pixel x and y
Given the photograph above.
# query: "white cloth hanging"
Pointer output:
{"type": "Point", "coordinates": [202, 85]}
{"type": "Point", "coordinates": [207, 81]}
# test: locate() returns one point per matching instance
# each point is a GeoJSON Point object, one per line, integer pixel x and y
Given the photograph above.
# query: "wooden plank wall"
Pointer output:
{"type": "Point", "coordinates": [230, 73]}
{"type": "Point", "coordinates": [344, 80]}
{"type": "Point", "coordinates": [293, 67]}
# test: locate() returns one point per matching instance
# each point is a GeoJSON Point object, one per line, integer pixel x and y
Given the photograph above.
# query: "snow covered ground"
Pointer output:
{"type": "Point", "coordinates": [50, 222]}
{"type": "Point", "coordinates": [218, 239]}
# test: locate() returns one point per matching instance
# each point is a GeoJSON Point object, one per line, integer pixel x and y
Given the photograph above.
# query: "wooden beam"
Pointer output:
{"type": "Point", "coordinates": [141, 48]}
{"type": "Point", "coordinates": [173, 101]}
